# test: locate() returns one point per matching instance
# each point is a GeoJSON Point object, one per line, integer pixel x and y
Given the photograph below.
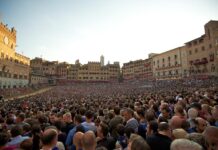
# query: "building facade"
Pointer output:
{"type": "Point", "coordinates": [64, 72]}
{"type": "Point", "coordinates": [198, 57]}
{"type": "Point", "coordinates": [14, 67]}
{"type": "Point", "coordinates": [170, 65]}
{"type": "Point", "coordinates": [93, 71]}
{"type": "Point", "coordinates": [138, 70]}
{"type": "Point", "coordinates": [202, 52]}
{"type": "Point", "coordinates": [36, 79]}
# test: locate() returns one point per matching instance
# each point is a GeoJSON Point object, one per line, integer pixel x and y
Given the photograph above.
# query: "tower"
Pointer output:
{"type": "Point", "coordinates": [102, 60]}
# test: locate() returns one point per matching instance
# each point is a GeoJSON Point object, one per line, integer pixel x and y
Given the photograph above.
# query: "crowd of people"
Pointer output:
{"type": "Point", "coordinates": [14, 92]}
{"type": "Point", "coordinates": [157, 115]}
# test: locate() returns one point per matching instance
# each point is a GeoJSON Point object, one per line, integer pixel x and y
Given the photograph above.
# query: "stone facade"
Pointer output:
{"type": "Point", "coordinates": [92, 71]}
{"type": "Point", "coordinates": [202, 52]}
{"type": "Point", "coordinates": [138, 70]}
{"type": "Point", "coordinates": [14, 67]}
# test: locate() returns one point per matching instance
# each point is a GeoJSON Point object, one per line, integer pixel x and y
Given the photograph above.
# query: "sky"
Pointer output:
{"type": "Point", "coordinates": [121, 30]}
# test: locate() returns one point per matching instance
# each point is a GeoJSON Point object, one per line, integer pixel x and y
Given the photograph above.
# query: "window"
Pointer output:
{"type": "Point", "coordinates": [175, 56]}
{"type": "Point", "coordinates": [202, 48]}
{"type": "Point", "coordinates": [195, 43]}
{"type": "Point", "coordinates": [190, 52]}
{"type": "Point", "coordinates": [196, 50]}
{"type": "Point", "coordinates": [210, 46]}
{"type": "Point", "coordinates": [212, 68]}
{"type": "Point", "coordinates": [163, 60]}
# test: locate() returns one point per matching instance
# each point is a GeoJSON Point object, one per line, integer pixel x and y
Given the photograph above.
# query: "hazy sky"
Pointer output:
{"type": "Point", "coordinates": [121, 30]}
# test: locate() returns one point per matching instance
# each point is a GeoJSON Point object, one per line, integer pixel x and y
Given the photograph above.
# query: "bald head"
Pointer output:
{"type": "Point", "coordinates": [89, 141]}
{"type": "Point", "coordinates": [77, 140]}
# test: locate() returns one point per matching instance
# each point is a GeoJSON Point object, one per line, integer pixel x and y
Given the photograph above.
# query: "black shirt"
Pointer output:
{"type": "Point", "coordinates": [108, 143]}
{"type": "Point", "coordinates": [159, 142]}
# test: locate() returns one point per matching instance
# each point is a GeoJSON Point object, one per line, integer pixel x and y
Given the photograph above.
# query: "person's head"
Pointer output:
{"type": "Point", "coordinates": [67, 117]}
{"type": "Point", "coordinates": [165, 112]}
{"type": "Point", "coordinates": [162, 119]}
{"type": "Point", "coordinates": [89, 141]}
{"type": "Point", "coordinates": [215, 112]}
{"type": "Point", "coordinates": [138, 143]}
{"type": "Point", "coordinates": [10, 121]}
{"type": "Point", "coordinates": [128, 114]}
{"type": "Point", "coordinates": [128, 132]}
{"type": "Point", "coordinates": [198, 138]}
{"type": "Point", "coordinates": [49, 137]}
{"type": "Point", "coordinates": [164, 128]}
{"type": "Point", "coordinates": [184, 144]}
{"type": "Point", "coordinates": [163, 106]}
{"type": "Point", "coordinates": [201, 124]}
{"type": "Point", "coordinates": [58, 124]}
{"type": "Point", "coordinates": [141, 113]}
{"type": "Point", "coordinates": [42, 119]}
{"type": "Point", "coordinates": [82, 111]}
{"type": "Point", "coordinates": [149, 116]}
{"type": "Point", "coordinates": [16, 131]}
{"type": "Point", "coordinates": [206, 108]}
{"type": "Point", "coordinates": [179, 133]}
{"type": "Point", "coordinates": [120, 128]}
{"type": "Point", "coordinates": [211, 136]}
{"type": "Point", "coordinates": [36, 134]}
{"type": "Point", "coordinates": [26, 128]}
{"type": "Point", "coordinates": [179, 110]}
{"type": "Point", "coordinates": [116, 110]}
{"type": "Point", "coordinates": [20, 118]}
{"type": "Point", "coordinates": [102, 130]}
{"type": "Point", "coordinates": [52, 118]}
{"type": "Point", "coordinates": [185, 125]}
{"type": "Point", "coordinates": [4, 138]}
{"type": "Point", "coordinates": [192, 113]}
{"type": "Point", "coordinates": [78, 119]}
{"type": "Point", "coordinates": [26, 144]}
{"type": "Point", "coordinates": [152, 127]}
{"type": "Point", "coordinates": [77, 140]}
{"type": "Point", "coordinates": [89, 115]}
{"type": "Point", "coordinates": [130, 139]}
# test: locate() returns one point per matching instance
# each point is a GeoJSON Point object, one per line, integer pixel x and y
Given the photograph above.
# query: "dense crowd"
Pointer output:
{"type": "Point", "coordinates": [14, 92]}
{"type": "Point", "coordinates": [156, 115]}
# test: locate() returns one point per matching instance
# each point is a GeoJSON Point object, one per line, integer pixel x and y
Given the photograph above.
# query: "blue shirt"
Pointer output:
{"type": "Point", "coordinates": [69, 140]}
{"type": "Point", "coordinates": [17, 140]}
{"type": "Point", "coordinates": [90, 126]}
